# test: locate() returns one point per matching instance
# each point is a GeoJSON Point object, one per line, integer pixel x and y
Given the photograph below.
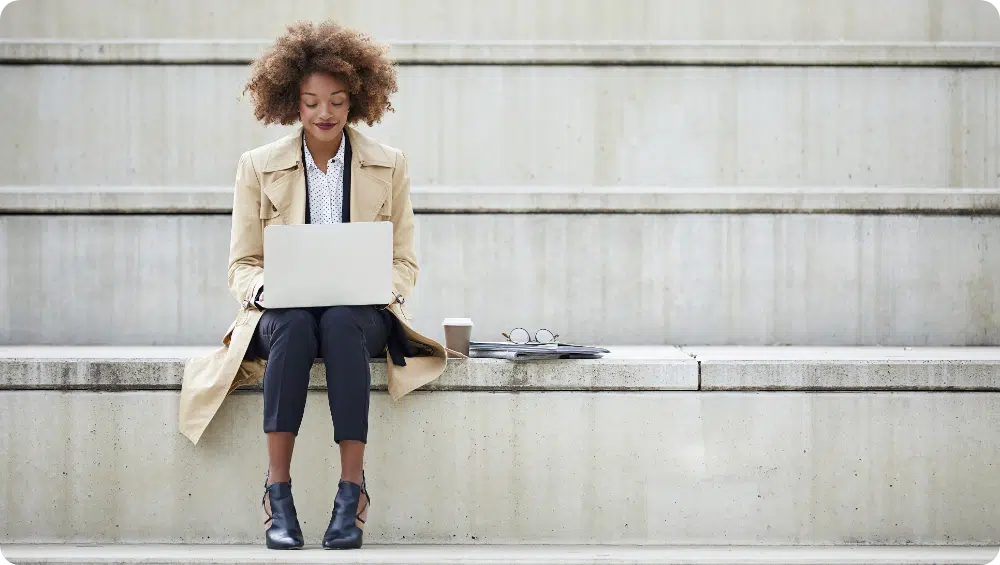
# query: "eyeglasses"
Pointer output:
{"type": "Point", "coordinates": [521, 336]}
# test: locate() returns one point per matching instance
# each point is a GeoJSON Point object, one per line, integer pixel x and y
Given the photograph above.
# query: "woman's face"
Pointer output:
{"type": "Point", "coordinates": [323, 106]}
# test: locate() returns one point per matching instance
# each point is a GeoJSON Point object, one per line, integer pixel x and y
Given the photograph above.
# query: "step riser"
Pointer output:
{"type": "Point", "coordinates": [886, 20]}
{"type": "Point", "coordinates": [686, 279]}
{"type": "Point", "coordinates": [684, 467]}
{"type": "Point", "coordinates": [675, 126]}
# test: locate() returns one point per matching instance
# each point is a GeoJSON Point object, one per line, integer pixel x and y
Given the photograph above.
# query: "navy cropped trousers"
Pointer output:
{"type": "Point", "coordinates": [345, 337]}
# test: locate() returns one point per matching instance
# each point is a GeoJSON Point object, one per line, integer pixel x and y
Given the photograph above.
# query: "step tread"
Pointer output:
{"type": "Point", "coordinates": [484, 555]}
{"type": "Point", "coordinates": [847, 368]}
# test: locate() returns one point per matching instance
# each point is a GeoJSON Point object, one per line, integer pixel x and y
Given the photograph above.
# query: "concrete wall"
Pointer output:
{"type": "Point", "coordinates": [793, 20]}
{"type": "Point", "coordinates": [675, 126]}
{"type": "Point", "coordinates": [657, 467]}
{"type": "Point", "coordinates": [607, 278]}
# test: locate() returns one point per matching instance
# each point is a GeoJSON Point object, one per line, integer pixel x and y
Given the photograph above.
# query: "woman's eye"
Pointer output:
{"type": "Point", "coordinates": [310, 105]}
{"type": "Point", "coordinates": [338, 103]}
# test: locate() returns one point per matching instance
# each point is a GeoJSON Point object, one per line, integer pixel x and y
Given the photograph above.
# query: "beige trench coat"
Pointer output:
{"type": "Point", "coordinates": [270, 189]}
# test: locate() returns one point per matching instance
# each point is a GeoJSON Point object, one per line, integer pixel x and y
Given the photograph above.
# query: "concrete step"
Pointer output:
{"type": "Point", "coordinates": [499, 555]}
{"type": "Point", "coordinates": [897, 450]}
{"type": "Point", "coordinates": [693, 126]}
{"type": "Point", "coordinates": [791, 20]}
{"type": "Point", "coordinates": [627, 368]}
{"type": "Point", "coordinates": [834, 267]}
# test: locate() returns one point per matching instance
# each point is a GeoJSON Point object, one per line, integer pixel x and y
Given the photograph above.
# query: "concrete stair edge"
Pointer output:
{"type": "Point", "coordinates": [626, 368]}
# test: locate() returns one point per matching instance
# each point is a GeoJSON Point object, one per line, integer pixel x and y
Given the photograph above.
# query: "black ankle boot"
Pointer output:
{"type": "Point", "coordinates": [284, 531]}
{"type": "Point", "coordinates": [343, 531]}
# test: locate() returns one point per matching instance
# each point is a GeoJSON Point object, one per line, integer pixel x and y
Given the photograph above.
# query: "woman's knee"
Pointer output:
{"type": "Point", "coordinates": [338, 320]}
{"type": "Point", "coordinates": [295, 322]}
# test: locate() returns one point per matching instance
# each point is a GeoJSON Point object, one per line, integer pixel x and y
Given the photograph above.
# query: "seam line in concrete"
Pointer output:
{"type": "Point", "coordinates": [693, 356]}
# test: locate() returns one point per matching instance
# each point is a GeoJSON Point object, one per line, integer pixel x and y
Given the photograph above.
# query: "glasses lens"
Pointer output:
{"type": "Point", "coordinates": [519, 335]}
{"type": "Point", "coordinates": [544, 336]}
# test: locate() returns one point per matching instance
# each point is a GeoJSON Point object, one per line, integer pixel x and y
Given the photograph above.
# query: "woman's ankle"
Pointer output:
{"type": "Point", "coordinates": [355, 478]}
{"type": "Point", "coordinates": [352, 461]}
{"type": "Point", "coordinates": [278, 478]}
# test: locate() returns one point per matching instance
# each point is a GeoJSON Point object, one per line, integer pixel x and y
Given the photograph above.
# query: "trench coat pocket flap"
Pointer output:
{"type": "Point", "coordinates": [279, 193]}
{"type": "Point", "coordinates": [370, 197]}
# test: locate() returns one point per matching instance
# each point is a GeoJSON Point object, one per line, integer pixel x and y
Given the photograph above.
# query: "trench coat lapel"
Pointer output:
{"type": "Point", "coordinates": [371, 178]}
{"type": "Point", "coordinates": [284, 181]}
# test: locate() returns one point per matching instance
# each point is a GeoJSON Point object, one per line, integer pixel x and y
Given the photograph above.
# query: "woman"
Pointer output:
{"type": "Point", "coordinates": [326, 78]}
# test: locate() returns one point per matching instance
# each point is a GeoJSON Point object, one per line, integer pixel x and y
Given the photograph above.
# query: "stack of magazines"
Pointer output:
{"type": "Point", "coordinates": [530, 351]}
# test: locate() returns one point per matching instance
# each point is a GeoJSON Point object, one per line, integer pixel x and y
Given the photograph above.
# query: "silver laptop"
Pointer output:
{"type": "Point", "coordinates": [327, 265]}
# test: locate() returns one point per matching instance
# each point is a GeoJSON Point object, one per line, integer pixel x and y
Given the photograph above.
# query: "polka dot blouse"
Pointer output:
{"type": "Point", "coordinates": [326, 190]}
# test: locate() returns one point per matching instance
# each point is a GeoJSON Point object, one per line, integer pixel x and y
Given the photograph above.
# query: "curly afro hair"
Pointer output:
{"type": "Point", "coordinates": [327, 47]}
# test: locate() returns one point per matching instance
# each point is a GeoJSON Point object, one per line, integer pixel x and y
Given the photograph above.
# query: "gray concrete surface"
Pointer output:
{"type": "Point", "coordinates": [578, 126]}
{"type": "Point", "coordinates": [71, 199]}
{"type": "Point", "coordinates": [154, 554]}
{"type": "Point", "coordinates": [677, 279]}
{"type": "Point", "coordinates": [847, 368]}
{"type": "Point", "coordinates": [141, 368]}
{"type": "Point", "coordinates": [626, 368]}
{"type": "Point", "coordinates": [790, 53]}
{"type": "Point", "coordinates": [792, 20]}
{"type": "Point", "coordinates": [482, 467]}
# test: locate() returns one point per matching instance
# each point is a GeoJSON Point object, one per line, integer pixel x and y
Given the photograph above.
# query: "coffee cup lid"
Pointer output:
{"type": "Point", "coordinates": [457, 322]}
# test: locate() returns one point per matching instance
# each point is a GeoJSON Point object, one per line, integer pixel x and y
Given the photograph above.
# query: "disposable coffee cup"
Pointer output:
{"type": "Point", "coordinates": [457, 334]}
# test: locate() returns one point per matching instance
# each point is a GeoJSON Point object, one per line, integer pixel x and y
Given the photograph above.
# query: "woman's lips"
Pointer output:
{"type": "Point", "coordinates": [325, 126]}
